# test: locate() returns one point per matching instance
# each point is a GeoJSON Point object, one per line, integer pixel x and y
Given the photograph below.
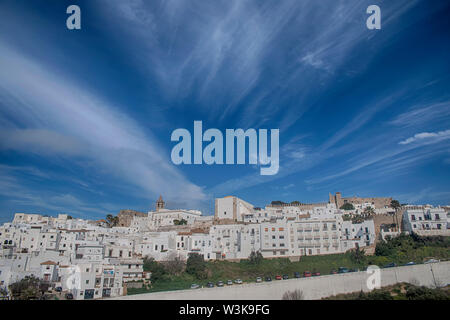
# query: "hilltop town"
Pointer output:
{"type": "Point", "coordinates": [97, 259]}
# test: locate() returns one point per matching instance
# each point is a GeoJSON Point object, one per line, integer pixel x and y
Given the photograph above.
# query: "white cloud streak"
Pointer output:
{"type": "Point", "coordinates": [427, 137]}
{"type": "Point", "coordinates": [65, 119]}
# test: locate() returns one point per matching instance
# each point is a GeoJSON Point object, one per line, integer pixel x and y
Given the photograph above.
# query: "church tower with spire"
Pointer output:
{"type": "Point", "coordinates": [160, 203]}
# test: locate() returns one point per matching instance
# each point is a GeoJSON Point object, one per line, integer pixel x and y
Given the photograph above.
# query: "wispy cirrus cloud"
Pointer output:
{"type": "Point", "coordinates": [420, 115]}
{"type": "Point", "coordinates": [64, 119]}
{"type": "Point", "coordinates": [428, 137]}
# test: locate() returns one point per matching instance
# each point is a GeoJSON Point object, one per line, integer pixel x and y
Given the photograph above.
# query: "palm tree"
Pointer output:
{"type": "Point", "coordinates": [112, 220]}
{"type": "Point", "coordinates": [369, 212]}
{"type": "Point", "coordinates": [395, 205]}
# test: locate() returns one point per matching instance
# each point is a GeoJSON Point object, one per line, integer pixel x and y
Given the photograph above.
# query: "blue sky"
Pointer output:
{"type": "Point", "coordinates": [86, 116]}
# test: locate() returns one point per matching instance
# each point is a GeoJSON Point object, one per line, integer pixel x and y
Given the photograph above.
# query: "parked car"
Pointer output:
{"type": "Point", "coordinates": [316, 274]}
{"type": "Point", "coordinates": [285, 277]}
{"type": "Point", "coordinates": [210, 285]}
{"type": "Point", "coordinates": [296, 274]}
{"type": "Point", "coordinates": [390, 265]}
{"type": "Point", "coordinates": [229, 282]}
{"type": "Point", "coordinates": [411, 263]}
{"type": "Point", "coordinates": [69, 296]}
{"type": "Point", "coordinates": [431, 261]}
{"type": "Point", "coordinates": [278, 277]}
{"type": "Point", "coordinates": [307, 274]}
{"type": "Point", "coordinates": [342, 270]}
{"type": "Point", "coordinates": [333, 272]}
{"type": "Point", "coordinates": [258, 279]}
{"type": "Point", "coordinates": [58, 289]}
{"type": "Point", "coordinates": [220, 284]}
{"type": "Point", "coordinates": [238, 281]}
{"type": "Point", "coordinates": [268, 278]}
{"type": "Point", "coordinates": [195, 286]}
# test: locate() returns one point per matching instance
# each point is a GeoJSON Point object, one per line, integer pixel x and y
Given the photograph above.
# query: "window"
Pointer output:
{"type": "Point", "coordinates": [413, 217]}
{"type": "Point", "coordinates": [436, 216]}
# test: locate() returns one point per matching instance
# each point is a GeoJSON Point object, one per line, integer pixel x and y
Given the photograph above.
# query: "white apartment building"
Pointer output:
{"type": "Point", "coordinates": [232, 208]}
{"type": "Point", "coordinates": [426, 221]}
{"type": "Point", "coordinates": [315, 236]}
{"type": "Point", "coordinates": [357, 234]}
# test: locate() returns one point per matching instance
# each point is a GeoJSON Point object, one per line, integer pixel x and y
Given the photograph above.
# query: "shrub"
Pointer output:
{"type": "Point", "coordinates": [196, 266]}
{"type": "Point", "coordinates": [347, 206]}
{"type": "Point", "coordinates": [293, 295]}
{"type": "Point", "coordinates": [29, 288]}
{"type": "Point", "coordinates": [157, 269]}
{"type": "Point", "coordinates": [255, 257]}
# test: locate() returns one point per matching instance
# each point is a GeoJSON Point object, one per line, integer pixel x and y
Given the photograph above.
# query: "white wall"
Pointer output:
{"type": "Point", "coordinates": [312, 288]}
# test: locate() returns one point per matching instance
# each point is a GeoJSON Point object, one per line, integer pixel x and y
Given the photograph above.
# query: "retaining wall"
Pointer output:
{"type": "Point", "coordinates": [312, 288]}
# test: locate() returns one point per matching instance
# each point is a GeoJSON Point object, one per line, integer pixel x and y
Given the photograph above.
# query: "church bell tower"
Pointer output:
{"type": "Point", "coordinates": [160, 203]}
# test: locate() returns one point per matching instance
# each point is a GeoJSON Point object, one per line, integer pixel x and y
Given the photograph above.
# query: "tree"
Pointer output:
{"type": "Point", "coordinates": [296, 203]}
{"type": "Point", "coordinates": [111, 220]}
{"type": "Point", "coordinates": [177, 222]}
{"type": "Point", "coordinates": [196, 266]}
{"type": "Point", "coordinates": [369, 212]}
{"type": "Point", "coordinates": [395, 205]}
{"type": "Point", "coordinates": [174, 265]}
{"type": "Point", "coordinates": [358, 255]}
{"type": "Point", "coordinates": [69, 217]}
{"type": "Point", "coordinates": [347, 206]}
{"type": "Point", "coordinates": [3, 292]}
{"type": "Point", "coordinates": [357, 218]}
{"type": "Point", "coordinates": [255, 257]}
{"type": "Point", "coordinates": [157, 269]}
{"type": "Point", "coordinates": [29, 288]}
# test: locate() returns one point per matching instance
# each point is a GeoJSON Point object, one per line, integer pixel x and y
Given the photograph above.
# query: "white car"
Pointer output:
{"type": "Point", "coordinates": [432, 261]}
{"type": "Point", "coordinates": [238, 281]}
